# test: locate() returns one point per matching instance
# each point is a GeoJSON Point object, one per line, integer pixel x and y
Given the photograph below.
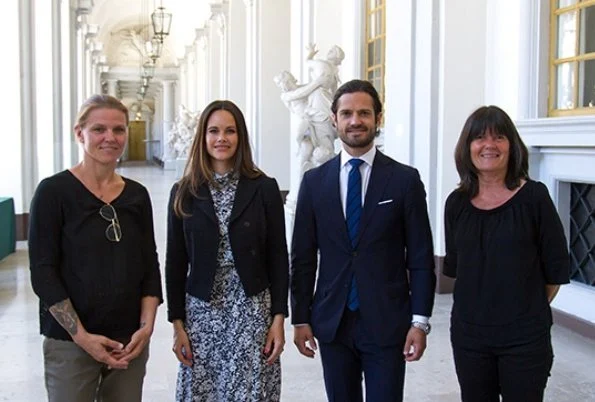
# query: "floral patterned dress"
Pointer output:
{"type": "Point", "coordinates": [228, 333]}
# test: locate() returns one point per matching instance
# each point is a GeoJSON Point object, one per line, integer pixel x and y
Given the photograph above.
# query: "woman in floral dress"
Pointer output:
{"type": "Point", "coordinates": [226, 267]}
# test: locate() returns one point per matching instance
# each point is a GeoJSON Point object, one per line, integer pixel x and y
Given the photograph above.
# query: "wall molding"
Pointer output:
{"type": "Point", "coordinates": [574, 323]}
{"type": "Point", "coordinates": [576, 131]}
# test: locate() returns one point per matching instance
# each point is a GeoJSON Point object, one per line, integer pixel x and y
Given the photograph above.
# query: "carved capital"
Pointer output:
{"type": "Point", "coordinates": [219, 15]}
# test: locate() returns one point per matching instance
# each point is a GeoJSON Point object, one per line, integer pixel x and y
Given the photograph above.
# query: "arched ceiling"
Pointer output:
{"type": "Point", "coordinates": [124, 26]}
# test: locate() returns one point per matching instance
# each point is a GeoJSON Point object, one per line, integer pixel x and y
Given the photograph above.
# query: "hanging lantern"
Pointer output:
{"type": "Point", "coordinates": [161, 23]}
{"type": "Point", "coordinates": [148, 70]}
{"type": "Point", "coordinates": [154, 48]}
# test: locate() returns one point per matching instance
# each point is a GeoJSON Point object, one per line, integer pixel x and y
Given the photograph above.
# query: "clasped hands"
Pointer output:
{"type": "Point", "coordinates": [112, 353]}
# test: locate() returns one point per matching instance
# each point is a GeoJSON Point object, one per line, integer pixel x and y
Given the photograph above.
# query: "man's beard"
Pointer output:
{"type": "Point", "coordinates": [360, 142]}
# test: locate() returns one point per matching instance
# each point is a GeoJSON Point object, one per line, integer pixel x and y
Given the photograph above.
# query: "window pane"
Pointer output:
{"type": "Point", "coordinates": [566, 34]}
{"type": "Point", "coordinates": [371, 75]}
{"type": "Point", "coordinates": [564, 94]}
{"type": "Point", "coordinates": [380, 87]}
{"type": "Point", "coordinates": [378, 21]}
{"type": "Point", "coordinates": [378, 51]}
{"type": "Point", "coordinates": [588, 30]}
{"type": "Point", "coordinates": [372, 4]}
{"type": "Point", "coordinates": [372, 26]}
{"type": "Point", "coordinates": [586, 90]}
{"type": "Point", "coordinates": [370, 54]}
{"type": "Point", "coordinates": [566, 3]}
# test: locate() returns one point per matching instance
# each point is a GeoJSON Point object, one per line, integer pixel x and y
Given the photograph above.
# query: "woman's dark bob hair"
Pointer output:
{"type": "Point", "coordinates": [490, 119]}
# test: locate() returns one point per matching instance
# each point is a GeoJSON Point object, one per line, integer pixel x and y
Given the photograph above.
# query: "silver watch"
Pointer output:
{"type": "Point", "coordinates": [426, 327]}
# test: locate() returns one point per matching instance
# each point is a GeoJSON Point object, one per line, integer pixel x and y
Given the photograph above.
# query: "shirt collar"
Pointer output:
{"type": "Point", "coordinates": [368, 157]}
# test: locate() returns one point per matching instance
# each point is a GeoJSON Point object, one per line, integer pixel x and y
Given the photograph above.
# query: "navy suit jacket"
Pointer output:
{"type": "Point", "coordinates": [393, 260]}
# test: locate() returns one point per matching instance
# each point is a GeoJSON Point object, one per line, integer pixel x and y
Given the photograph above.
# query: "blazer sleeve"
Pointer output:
{"type": "Point", "coordinates": [176, 262]}
{"type": "Point", "coordinates": [277, 260]}
{"type": "Point", "coordinates": [304, 256]}
{"type": "Point", "coordinates": [420, 249]}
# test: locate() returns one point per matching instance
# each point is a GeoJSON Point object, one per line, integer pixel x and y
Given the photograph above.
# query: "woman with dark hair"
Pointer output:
{"type": "Point", "coordinates": [94, 266]}
{"type": "Point", "coordinates": [506, 247]}
{"type": "Point", "coordinates": [226, 267]}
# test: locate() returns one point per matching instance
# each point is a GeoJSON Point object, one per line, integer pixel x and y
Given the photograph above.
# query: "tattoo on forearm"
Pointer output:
{"type": "Point", "coordinates": [142, 324]}
{"type": "Point", "coordinates": [64, 313]}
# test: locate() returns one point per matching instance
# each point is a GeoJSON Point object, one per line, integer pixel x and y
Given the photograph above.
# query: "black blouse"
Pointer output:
{"type": "Point", "coordinates": [71, 257]}
{"type": "Point", "coordinates": [503, 257]}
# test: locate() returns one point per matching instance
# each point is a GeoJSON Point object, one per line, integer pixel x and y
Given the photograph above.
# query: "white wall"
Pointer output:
{"type": "Point", "coordinates": [327, 27]}
{"type": "Point", "coordinates": [44, 89]}
{"type": "Point", "coordinates": [271, 118]}
{"type": "Point", "coordinates": [10, 162]}
{"type": "Point", "coordinates": [503, 51]}
{"type": "Point", "coordinates": [562, 148]}
{"type": "Point", "coordinates": [462, 72]}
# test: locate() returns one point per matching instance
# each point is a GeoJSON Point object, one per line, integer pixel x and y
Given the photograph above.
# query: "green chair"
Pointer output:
{"type": "Point", "coordinates": [7, 227]}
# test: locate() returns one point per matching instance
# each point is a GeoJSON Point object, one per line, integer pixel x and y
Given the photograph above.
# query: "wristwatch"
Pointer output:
{"type": "Point", "coordinates": [426, 327]}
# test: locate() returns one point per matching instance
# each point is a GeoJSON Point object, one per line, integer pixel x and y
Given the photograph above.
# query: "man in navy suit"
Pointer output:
{"type": "Point", "coordinates": [367, 219]}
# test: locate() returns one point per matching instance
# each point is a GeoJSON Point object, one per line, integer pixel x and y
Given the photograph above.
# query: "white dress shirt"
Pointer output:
{"type": "Point", "coordinates": [365, 169]}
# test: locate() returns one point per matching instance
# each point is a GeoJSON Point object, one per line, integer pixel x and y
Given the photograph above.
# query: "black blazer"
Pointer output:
{"type": "Point", "coordinates": [393, 260]}
{"type": "Point", "coordinates": [257, 236]}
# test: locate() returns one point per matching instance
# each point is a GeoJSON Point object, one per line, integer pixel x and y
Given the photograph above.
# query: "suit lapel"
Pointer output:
{"type": "Point", "coordinates": [244, 194]}
{"type": "Point", "coordinates": [204, 202]}
{"type": "Point", "coordinates": [379, 178]}
{"type": "Point", "coordinates": [330, 188]}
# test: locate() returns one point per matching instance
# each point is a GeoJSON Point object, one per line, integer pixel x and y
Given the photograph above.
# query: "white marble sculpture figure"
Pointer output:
{"type": "Point", "coordinates": [312, 103]}
{"type": "Point", "coordinates": [180, 137]}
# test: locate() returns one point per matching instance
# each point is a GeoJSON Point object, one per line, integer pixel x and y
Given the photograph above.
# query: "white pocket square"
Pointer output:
{"type": "Point", "coordinates": [385, 202]}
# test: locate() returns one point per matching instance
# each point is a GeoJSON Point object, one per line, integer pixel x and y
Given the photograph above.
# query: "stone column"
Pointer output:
{"type": "Point", "coordinates": [90, 34]}
{"type": "Point", "coordinates": [218, 51]}
{"type": "Point", "coordinates": [80, 62]}
{"type": "Point", "coordinates": [168, 103]}
{"type": "Point", "coordinates": [236, 53]}
{"type": "Point", "coordinates": [58, 103]}
{"type": "Point", "coordinates": [302, 23]}
{"type": "Point", "coordinates": [113, 87]}
{"type": "Point", "coordinates": [29, 172]}
{"type": "Point", "coordinates": [268, 54]}
{"type": "Point", "coordinates": [201, 70]}
{"type": "Point", "coordinates": [191, 77]}
{"type": "Point", "coordinates": [183, 82]}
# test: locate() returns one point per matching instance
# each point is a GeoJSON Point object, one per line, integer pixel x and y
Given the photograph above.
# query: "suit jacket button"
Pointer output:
{"type": "Point", "coordinates": [354, 254]}
{"type": "Point", "coordinates": [246, 223]}
{"type": "Point", "coordinates": [253, 252]}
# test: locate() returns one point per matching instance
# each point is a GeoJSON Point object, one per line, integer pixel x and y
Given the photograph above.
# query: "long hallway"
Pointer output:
{"type": "Point", "coordinates": [432, 379]}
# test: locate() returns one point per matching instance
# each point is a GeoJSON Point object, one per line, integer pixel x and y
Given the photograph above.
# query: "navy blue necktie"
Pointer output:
{"type": "Point", "coordinates": [353, 213]}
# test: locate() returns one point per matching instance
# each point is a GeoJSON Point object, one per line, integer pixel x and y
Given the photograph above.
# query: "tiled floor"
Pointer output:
{"type": "Point", "coordinates": [432, 379]}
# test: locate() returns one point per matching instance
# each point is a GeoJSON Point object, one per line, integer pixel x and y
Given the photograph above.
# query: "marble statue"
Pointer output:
{"type": "Point", "coordinates": [311, 102]}
{"type": "Point", "coordinates": [180, 137]}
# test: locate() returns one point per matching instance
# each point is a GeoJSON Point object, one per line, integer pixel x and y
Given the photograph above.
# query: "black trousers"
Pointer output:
{"type": "Point", "coordinates": [489, 366]}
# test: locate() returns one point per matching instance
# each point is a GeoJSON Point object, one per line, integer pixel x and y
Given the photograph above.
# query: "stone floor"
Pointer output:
{"type": "Point", "coordinates": [431, 379]}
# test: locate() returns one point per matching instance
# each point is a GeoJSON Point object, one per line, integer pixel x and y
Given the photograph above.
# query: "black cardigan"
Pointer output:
{"type": "Point", "coordinates": [257, 236]}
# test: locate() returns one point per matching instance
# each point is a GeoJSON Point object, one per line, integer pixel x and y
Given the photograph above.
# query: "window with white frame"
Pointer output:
{"type": "Point", "coordinates": [375, 42]}
{"type": "Point", "coordinates": [572, 57]}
